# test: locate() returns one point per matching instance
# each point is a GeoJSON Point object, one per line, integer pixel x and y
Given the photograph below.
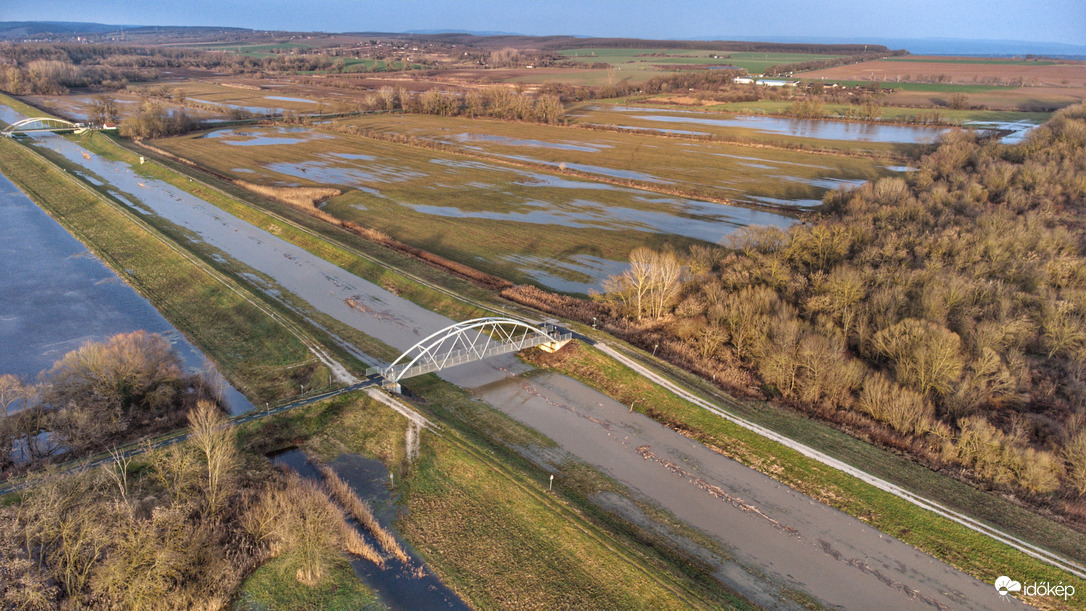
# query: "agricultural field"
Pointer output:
{"type": "Point", "coordinates": [523, 223]}
{"type": "Point", "coordinates": [706, 169]}
{"type": "Point", "coordinates": [590, 112]}
{"type": "Point", "coordinates": [636, 61]}
{"type": "Point", "coordinates": [992, 84]}
{"type": "Point", "coordinates": [80, 107]}
{"type": "Point", "coordinates": [721, 122]}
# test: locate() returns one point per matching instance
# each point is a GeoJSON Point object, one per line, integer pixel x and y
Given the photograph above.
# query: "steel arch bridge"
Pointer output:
{"type": "Point", "coordinates": [471, 340]}
{"type": "Point", "coordinates": [40, 124]}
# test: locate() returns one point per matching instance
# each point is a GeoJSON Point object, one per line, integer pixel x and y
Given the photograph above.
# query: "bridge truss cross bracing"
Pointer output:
{"type": "Point", "coordinates": [472, 340]}
{"type": "Point", "coordinates": [40, 124]}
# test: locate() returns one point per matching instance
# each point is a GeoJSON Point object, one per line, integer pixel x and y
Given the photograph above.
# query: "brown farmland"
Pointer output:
{"type": "Point", "coordinates": [967, 71]}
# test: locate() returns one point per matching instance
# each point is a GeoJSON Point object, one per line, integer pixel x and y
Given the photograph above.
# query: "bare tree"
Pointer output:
{"type": "Point", "coordinates": [11, 389]}
{"type": "Point", "coordinates": [213, 437]}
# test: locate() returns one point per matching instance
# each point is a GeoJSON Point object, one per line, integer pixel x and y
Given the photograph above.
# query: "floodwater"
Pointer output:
{"type": "Point", "coordinates": [57, 295]}
{"type": "Point", "coordinates": [575, 274]}
{"type": "Point", "coordinates": [820, 129]}
{"type": "Point", "coordinates": [1017, 130]}
{"type": "Point", "coordinates": [329, 168]}
{"type": "Point", "coordinates": [562, 146]}
{"type": "Point", "coordinates": [377, 313]}
{"type": "Point", "coordinates": [685, 132]}
{"type": "Point", "coordinates": [774, 538]}
{"type": "Point", "coordinates": [256, 110]}
{"type": "Point", "coordinates": [282, 135]}
{"type": "Point", "coordinates": [690, 218]}
{"type": "Point", "coordinates": [287, 99]}
{"type": "Point", "coordinates": [397, 585]}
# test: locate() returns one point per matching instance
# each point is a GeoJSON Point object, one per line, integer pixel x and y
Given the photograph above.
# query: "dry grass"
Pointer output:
{"type": "Point", "coordinates": [354, 543]}
{"type": "Point", "coordinates": [360, 511]}
{"type": "Point", "coordinates": [304, 197]}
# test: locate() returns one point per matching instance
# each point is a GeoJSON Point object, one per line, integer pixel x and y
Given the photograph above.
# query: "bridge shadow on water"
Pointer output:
{"type": "Point", "coordinates": [399, 585]}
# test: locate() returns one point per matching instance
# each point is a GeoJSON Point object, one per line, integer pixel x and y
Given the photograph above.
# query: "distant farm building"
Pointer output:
{"type": "Point", "coordinates": [776, 83]}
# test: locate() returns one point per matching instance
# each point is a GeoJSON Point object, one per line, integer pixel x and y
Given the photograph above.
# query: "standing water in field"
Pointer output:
{"type": "Point", "coordinates": [821, 129]}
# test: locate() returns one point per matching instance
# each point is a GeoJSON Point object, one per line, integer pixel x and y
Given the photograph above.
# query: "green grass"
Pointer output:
{"type": "Point", "coordinates": [403, 177]}
{"type": "Point", "coordinates": [624, 60]}
{"type": "Point", "coordinates": [353, 254]}
{"type": "Point", "coordinates": [890, 113]}
{"type": "Point", "coordinates": [273, 587]}
{"type": "Point", "coordinates": [972, 60]}
{"type": "Point", "coordinates": [931, 87]}
{"type": "Point", "coordinates": [259, 356]}
{"type": "Point", "coordinates": [973, 553]}
{"type": "Point", "coordinates": [478, 512]}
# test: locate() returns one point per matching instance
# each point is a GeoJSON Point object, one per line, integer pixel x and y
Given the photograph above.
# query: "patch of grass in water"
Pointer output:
{"type": "Point", "coordinates": [273, 587]}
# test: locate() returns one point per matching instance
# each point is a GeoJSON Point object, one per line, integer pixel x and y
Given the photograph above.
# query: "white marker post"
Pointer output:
{"type": "Point", "coordinates": [550, 486]}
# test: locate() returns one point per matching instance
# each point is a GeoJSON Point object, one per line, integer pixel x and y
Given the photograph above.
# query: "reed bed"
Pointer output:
{"type": "Point", "coordinates": [360, 510]}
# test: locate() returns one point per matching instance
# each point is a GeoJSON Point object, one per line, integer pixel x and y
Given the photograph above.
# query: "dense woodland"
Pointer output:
{"type": "Point", "coordinates": [942, 314]}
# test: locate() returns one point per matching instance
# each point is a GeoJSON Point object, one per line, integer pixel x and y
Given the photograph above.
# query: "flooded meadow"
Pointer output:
{"type": "Point", "coordinates": [523, 223]}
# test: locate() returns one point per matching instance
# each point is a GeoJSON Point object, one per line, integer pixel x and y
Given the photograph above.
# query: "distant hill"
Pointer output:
{"type": "Point", "coordinates": [66, 30]}
{"type": "Point", "coordinates": [33, 29]}
{"type": "Point", "coordinates": [948, 46]}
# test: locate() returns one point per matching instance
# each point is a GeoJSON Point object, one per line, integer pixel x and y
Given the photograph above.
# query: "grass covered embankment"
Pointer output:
{"type": "Point", "coordinates": [480, 514]}
{"type": "Point", "coordinates": [417, 282]}
{"type": "Point", "coordinates": [259, 356]}
{"type": "Point", "coordinates": [975, 554]}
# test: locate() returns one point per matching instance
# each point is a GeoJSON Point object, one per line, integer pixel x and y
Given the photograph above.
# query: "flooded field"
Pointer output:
{"type": "Point", "coordinates": [56, 296]}
{"type": "Point", "coordinates": [853, 131]}
{"type": "Point", "coordinates": [81, 107]}
{"type": "Point", "coordinates": [708, 169]}
{"type": "Point", "coordinates": [524, 224]}
{"type": "Point", "coordinates": [758, 128]}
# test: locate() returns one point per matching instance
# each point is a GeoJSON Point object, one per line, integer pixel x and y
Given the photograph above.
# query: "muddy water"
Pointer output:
{"type": "Point", "coordinates": [55, 295]}
{"type": "Point", "coordinates": [775, 537]}
{"type": "Point", "coordinates": [398, 585]}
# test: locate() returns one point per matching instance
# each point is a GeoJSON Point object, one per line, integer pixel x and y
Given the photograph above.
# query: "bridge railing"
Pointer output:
{"type": "Point", "coordinates": [453, 358]}
{"type": "Point", "coordinates": [467, 355]}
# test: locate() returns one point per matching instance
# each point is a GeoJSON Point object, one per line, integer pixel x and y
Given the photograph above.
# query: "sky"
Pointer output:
{"type": "Point", "coordinates": [1059, 21]}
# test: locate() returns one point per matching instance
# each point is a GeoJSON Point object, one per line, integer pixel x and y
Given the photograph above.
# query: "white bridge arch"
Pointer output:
{"type": "Point", "coordinates": [43, 124]}
{"type": "Point", "coordinates": [472, 340]}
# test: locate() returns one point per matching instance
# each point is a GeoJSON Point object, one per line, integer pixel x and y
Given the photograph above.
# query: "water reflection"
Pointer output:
{"type": "Point", "coordinates": [56, 296]}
